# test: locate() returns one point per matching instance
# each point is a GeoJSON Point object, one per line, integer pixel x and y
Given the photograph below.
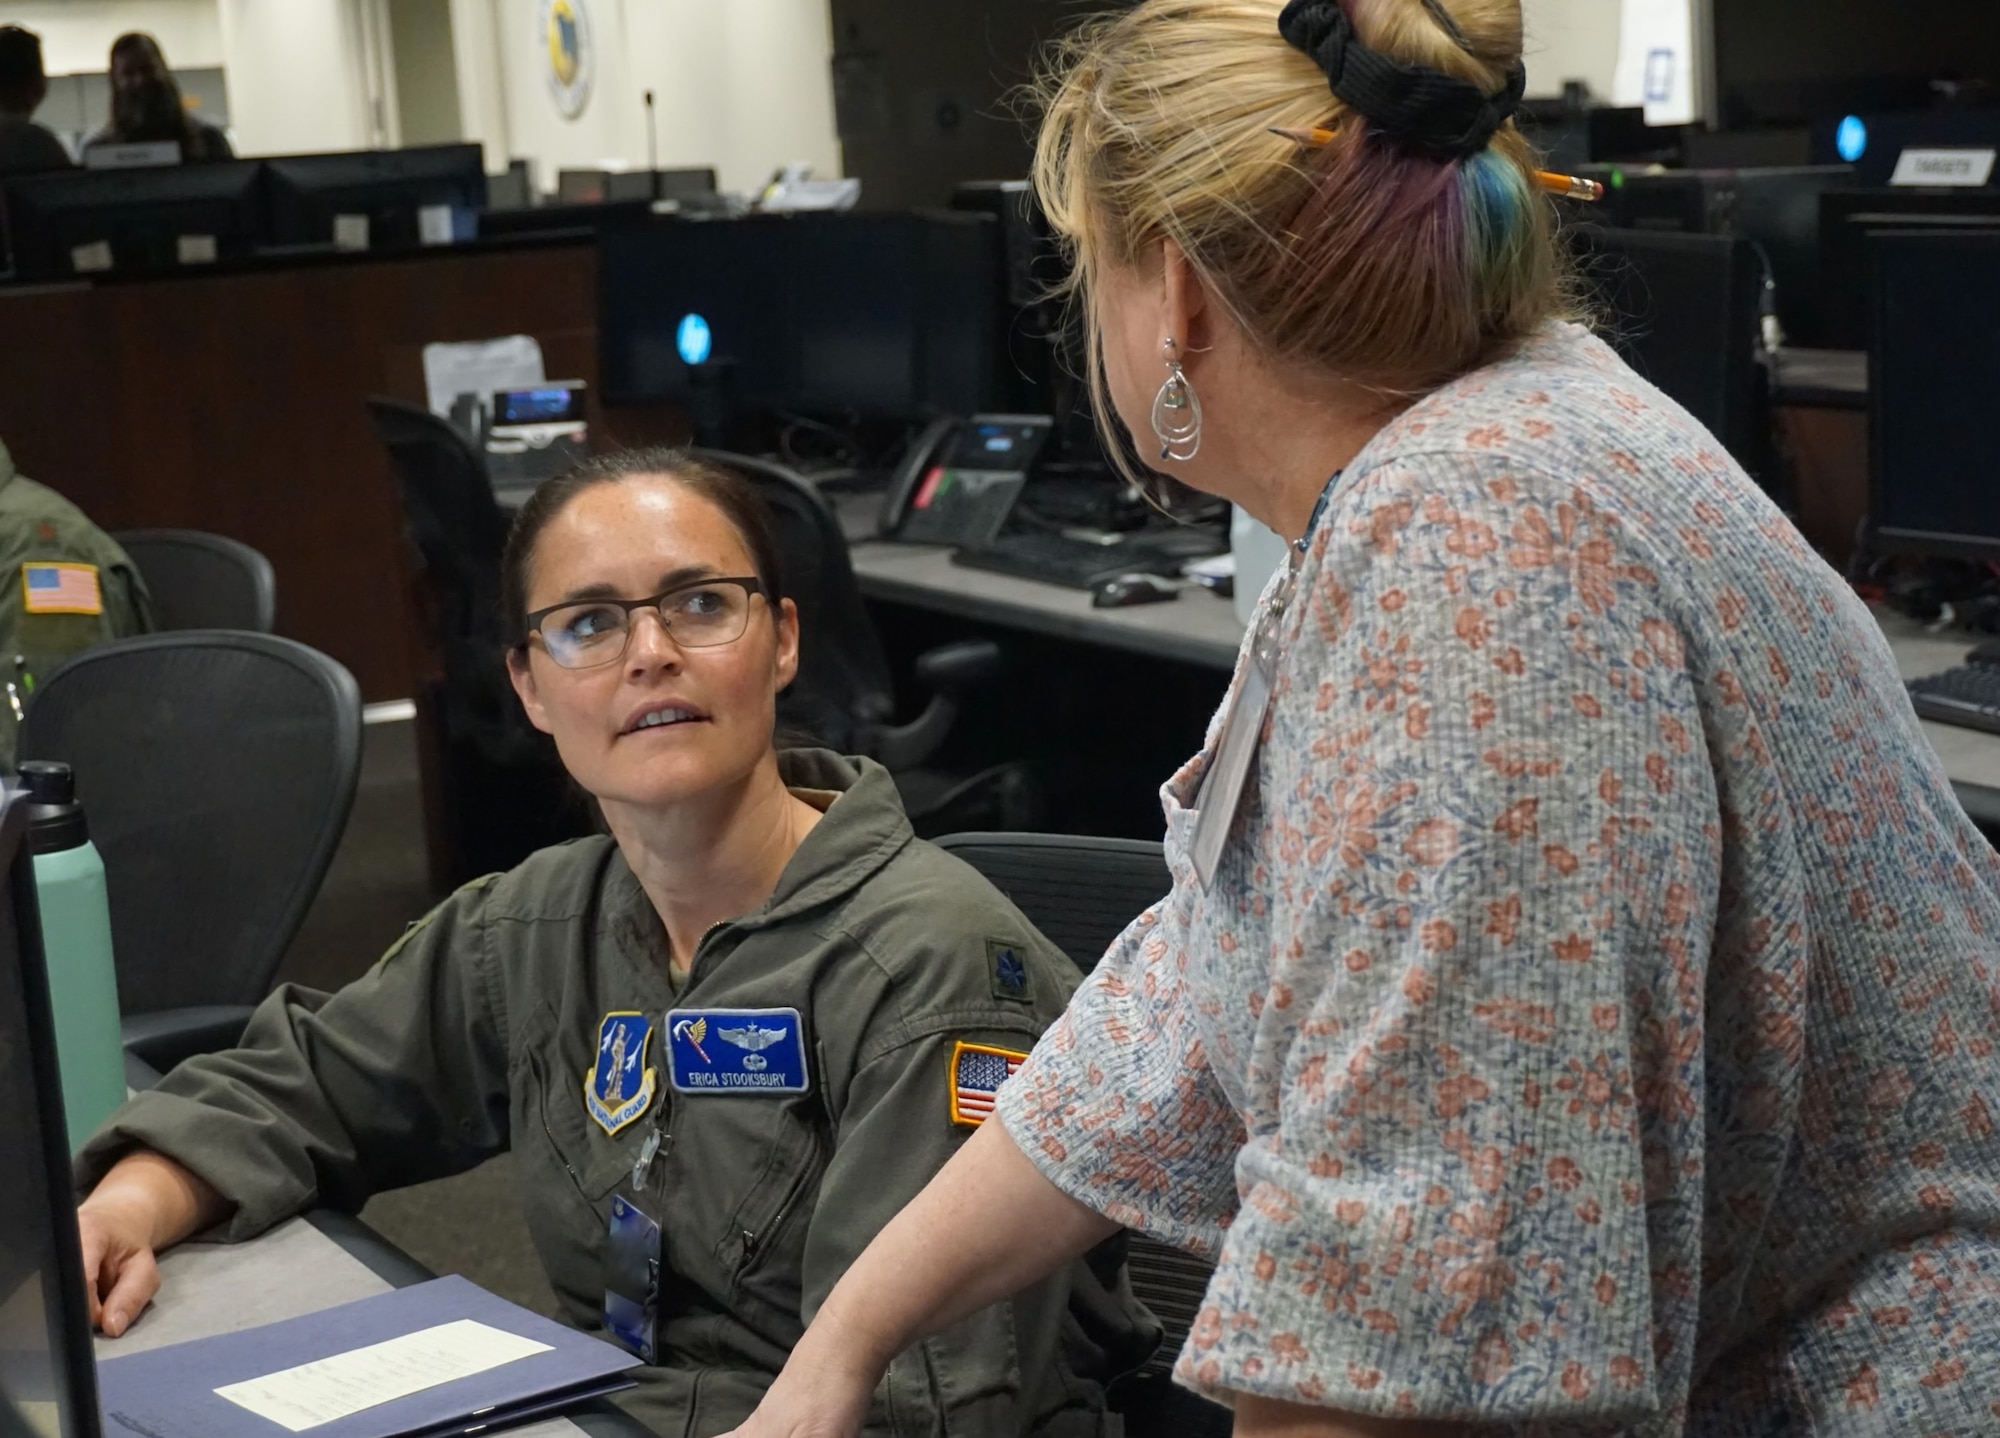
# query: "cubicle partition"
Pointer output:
{"type": "Point", "coordinates": [233, 403]}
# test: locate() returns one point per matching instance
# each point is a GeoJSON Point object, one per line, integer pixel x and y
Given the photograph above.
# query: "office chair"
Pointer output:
{"type": "Point", "coordinates": [1082, 893]}
{"type": "Point", "coordinates": [203, 581]}
{"type": "Point", "coordinates": [216, 769]}
{"type": "Point", "coordinates": [494, 790]}
{"type": "Point", "coordinates": [1683, 311]}
{"type": "Point", "coordinates": [843, 697]}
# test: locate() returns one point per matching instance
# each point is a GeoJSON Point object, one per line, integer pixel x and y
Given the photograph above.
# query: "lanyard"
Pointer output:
{"type": "Point", "coordinates": [1222, 786]}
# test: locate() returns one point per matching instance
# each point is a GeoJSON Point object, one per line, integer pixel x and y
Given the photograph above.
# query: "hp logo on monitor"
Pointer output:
{"type": "Point", "coordinates": [692, 339]}
{"type": "Point", "coordinates": [1851, 139]}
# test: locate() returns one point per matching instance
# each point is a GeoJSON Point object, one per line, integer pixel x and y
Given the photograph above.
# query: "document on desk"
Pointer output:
{"type": "Point", "coordinates": [438, 1357]}
{"type": "Point", "coordinates": [329, 1388]}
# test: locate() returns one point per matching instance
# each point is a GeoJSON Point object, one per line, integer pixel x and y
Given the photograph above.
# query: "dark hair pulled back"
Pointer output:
{"type": "Point", "coordinates": [728, 491]}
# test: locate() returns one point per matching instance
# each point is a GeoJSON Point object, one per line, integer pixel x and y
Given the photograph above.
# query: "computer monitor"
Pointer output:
{"type": "Point", "coordinates": [1934, 473]}
{"type": "Point", "coordinates": [1786, 62]}
{"type": "Point", "coordinates": [1849, 221]}
{"type": "Point", "coordinates": [874, 315]}
{"type": "Point", "coordinates": [1776, 209]}
{"type": "Point", "coordinates": [118, 222]}
{"type": "Point", "coordinates": [48, 1378]}
{"type": "Point", "coordinates": [596, 187]}
{"type": "Point", "coordinates": [391, 189]}
{"type": "Point", "coordinates": [1682, 311]}
{"type": "Point", "coordinates": [511, 189]}
{"type": "Point", "coordinates": [895, 315]}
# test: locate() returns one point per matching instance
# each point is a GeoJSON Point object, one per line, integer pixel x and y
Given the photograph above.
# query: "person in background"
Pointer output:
{"type": "Point", "coordinates": [25, 147]}
{"type": "Point", "coordinates": [146, 105]}
{"type": "Point", "coordinates": [65, 585]}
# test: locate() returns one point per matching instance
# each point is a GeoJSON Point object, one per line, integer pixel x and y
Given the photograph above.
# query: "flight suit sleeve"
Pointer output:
{"type": "Point", "coordinates": [128, 604]}
{"type": "Point", "coordinates": [400, 1077]}
{"type": "Point", "coordinates": [893, 1135]}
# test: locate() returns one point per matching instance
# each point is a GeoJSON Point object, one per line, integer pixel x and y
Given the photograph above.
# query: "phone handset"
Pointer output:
{"type": "Point", "coordinates": [924, 455]}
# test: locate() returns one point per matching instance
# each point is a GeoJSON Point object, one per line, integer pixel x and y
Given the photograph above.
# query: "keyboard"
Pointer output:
{"type": "Point", "coordinates": [1080, 564]}
{"type": "Point", "coordinates": [1968, 696]}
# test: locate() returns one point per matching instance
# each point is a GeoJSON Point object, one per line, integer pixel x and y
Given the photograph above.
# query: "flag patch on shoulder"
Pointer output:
{"type": "Point", "coordinates": [977, 1071]}
{"type": "Point", "coordinates": [61, 589]}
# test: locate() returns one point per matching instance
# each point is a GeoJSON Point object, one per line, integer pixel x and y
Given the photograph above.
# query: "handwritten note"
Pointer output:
{"type": "Point", "coordinates": [304, 1397]}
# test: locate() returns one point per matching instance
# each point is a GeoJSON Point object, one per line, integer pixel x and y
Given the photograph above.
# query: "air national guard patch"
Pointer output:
{"type": "Point", "coordinates": [620, 1087]}
{"type": "Point", "coordinates": [740, 1051]}
{"type": "Point", "coordinates": [977, 1071]}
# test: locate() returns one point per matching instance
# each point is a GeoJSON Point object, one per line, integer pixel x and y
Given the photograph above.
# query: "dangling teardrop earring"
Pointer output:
{"type": "Point", "coordinates": [1176, 412]}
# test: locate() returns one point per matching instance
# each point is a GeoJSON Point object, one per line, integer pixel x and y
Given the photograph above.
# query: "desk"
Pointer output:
{"type": "Point", "coordinates": [1198, 628]}
{"type": "Point", "coordinates": [299, 1267]}
{"type": "Point", "coordinates": [1971, 757]}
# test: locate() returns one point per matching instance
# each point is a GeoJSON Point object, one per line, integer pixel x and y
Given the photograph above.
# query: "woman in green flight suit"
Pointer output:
{"type": "Point", "coordinates": [761, 1013]}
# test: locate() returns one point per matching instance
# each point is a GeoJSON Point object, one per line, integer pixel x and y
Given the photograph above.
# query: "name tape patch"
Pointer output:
{"type": "Point", "coordinates": [739, 1051]}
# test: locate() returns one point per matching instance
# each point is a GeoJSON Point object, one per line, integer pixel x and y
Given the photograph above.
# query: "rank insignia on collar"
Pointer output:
{"type": "Point", "coordinates": [1009, 968]}
{"type": "Point", "coordinates": [620, 1086]}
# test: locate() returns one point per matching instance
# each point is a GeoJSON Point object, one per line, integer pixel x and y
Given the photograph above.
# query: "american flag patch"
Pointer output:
{"type": "Point", "coordinates": [61, 589]}
{"type": "Point", "coordinates": [977, 1071]}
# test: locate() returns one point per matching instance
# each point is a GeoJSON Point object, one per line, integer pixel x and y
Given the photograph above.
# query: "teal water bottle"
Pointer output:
{"type": "Point", "coordinates": [76, 932]}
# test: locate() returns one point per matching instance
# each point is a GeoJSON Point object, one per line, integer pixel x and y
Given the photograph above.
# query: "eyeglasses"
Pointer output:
{"type": "Point", "coordinates": [588, 632]}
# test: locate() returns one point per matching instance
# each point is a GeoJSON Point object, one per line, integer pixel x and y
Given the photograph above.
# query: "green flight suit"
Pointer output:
{"type": "Point", "coordinates": [480, 1032]}
{"type": "Point", "coordinates": [38, 527]}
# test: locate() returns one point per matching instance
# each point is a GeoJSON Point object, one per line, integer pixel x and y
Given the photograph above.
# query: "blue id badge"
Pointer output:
{"type": "Point", "coordinates": [737, 1051]}
{"type": "Point", "coordinates": [632, 1278]}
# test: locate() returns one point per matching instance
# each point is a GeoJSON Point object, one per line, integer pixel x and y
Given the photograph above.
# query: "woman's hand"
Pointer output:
{"type": "Point", "coordinates": [119, 1271]}
{"type": "Point", "coordinates": [810, 1399]}
{"type": "Point", "coordinates": [146, 1203]}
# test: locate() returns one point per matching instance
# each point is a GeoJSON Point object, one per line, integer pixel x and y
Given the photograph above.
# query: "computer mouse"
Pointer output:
{"type": "Point", "coordinates": [1121, 591]}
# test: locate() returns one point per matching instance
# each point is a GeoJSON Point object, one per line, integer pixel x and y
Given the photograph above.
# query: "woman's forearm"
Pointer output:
{"type": "Point", "coordinates": [177, 1202]}
{"type": "Point", "coordinates": [986, 1227]}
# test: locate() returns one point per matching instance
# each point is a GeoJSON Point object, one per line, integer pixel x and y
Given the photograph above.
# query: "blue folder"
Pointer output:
{"type": "Point", "coordinates": [170, 1392]}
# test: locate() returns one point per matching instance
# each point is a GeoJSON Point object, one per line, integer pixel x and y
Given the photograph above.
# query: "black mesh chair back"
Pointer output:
{"type": "Point", "coordinates": [843, 682]}
{"type": "Point", "coordinates": [203, 581]}
{"type": "Point", "coordinates": [216, 770]}
{"type": "Point", "coordinates": [450, 517]}
{"type": "Point", "coordinates": [1082, 893]}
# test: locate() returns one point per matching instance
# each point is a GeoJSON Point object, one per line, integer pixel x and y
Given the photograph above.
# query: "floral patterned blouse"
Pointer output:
{"type": "Point", "coordinates": [1591, 1026]}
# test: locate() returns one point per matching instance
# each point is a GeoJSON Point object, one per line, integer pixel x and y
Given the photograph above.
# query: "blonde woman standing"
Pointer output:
{"type": "Point", "coordinates": [1577, 1003]}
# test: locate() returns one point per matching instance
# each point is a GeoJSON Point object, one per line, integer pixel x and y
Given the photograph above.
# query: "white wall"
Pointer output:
{"type": "Point", "coordinates": [77, 34]}
{"type": "Point", "coordinates": [1571, 40]}
{"type": "Point", "coordinates": [295, 74]}
{"type": "Point", "coordinates": [743, 85]}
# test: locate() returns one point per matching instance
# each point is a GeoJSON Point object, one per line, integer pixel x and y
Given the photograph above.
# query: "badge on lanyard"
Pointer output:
{"type": "Point", "coordinates": [632, 1278]}
{"type": "Point", "coordinates": [620, 1086]}
{"type": "Point", "coordinates": [1242, 723]}
{"type": "Point", "coordinates": [739, 1051]}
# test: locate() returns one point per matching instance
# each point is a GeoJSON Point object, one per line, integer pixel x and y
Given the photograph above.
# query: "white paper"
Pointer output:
{"type": "Point", "coordinates": [479, 367]}
{"type": "Point", "coordinates": [434, 224]}
{"type": "Point", "coordinates": [1656, 60]}
{"type": "Point", "coordinates": [196, 249]}
{"type": "Point", "coordinates": [91, 258]}
{"type": "Point", "coordinates": [350, 232]}
{"type": "Point", "coordinates": [319, 1392]}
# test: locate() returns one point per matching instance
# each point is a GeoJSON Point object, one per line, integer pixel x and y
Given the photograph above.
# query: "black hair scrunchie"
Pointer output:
{"type": "Point", "coordinates": [1422, 109]}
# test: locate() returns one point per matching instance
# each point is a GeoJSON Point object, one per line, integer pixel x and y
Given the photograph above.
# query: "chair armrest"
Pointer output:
{"type": "Point", "coordinates": [162, 1039]}
{"type": "Point", "coordinates": [950, 672]}
{"type": "Point", "coordinates": [139, 1075]}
